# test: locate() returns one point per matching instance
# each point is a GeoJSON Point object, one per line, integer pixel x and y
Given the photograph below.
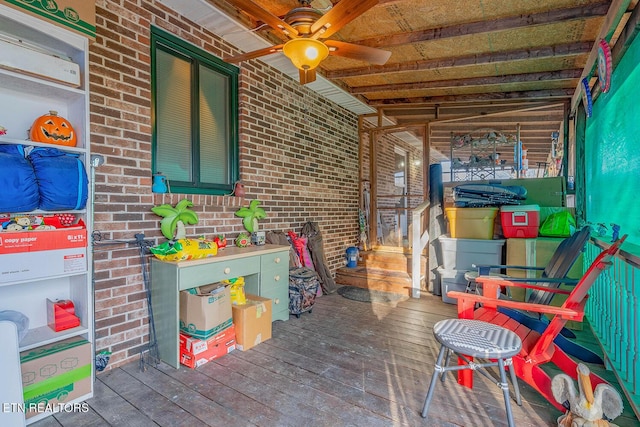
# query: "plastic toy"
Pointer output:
{"type": "Point", "coordinates": [242, 241]}
{"type": "Point", "coordinates": [20, 223]}
{"type": "Point", "coordinates": [615, 228]}
{"type": "Point", "coordinates": [53, 129]}
{"type": "Point", "coordinates": [221, 241]}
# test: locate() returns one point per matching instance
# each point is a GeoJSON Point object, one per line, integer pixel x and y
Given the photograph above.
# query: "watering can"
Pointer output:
{"type": "Point", "coordinates": [159, 183]}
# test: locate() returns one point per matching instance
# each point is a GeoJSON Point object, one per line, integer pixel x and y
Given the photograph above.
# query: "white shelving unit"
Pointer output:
{"type": "Point", "coordinates": [23, 98]}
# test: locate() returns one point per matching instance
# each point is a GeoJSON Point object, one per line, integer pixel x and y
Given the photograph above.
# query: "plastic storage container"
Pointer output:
{"type": "Point", "coordinates": [521, 221]}
{"type": "Point", "coordinates": [471, 223]}
{"type": "Point", "coordinates": [451, 280]}
{"type": "Point", "coordinates": [461, 254]}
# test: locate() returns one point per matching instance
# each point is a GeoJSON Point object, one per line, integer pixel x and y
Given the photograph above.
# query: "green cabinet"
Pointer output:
{"type": "Point", "coordinates": [265, 269]}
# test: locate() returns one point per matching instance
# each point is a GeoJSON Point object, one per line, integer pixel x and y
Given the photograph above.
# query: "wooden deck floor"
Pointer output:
{"type": "Point", "coordinates": [347, 363]}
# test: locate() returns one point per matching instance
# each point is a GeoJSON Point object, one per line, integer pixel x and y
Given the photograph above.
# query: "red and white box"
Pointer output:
{"type": "Point", "coordinates": [41, 264]}
{"type": "Point", "coordinates": [520, 221]}
{"type": "Point", "coordinates": [33, 241]}
{"type": "Point", "coordinates": [195, 352]}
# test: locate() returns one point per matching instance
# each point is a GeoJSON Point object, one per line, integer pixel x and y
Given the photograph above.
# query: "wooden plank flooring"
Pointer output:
{"type": "Point", "coordinates": [347, 363]}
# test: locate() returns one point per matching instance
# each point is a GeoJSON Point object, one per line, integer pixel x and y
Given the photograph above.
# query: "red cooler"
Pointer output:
{"type": "Point", "coordinates": [521, 221]}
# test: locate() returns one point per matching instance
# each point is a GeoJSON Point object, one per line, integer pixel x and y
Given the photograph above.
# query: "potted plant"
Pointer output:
{"type": "Point", "coordinates": [174, 218]}
{"type": "Point", "coordinates": [250, 217]}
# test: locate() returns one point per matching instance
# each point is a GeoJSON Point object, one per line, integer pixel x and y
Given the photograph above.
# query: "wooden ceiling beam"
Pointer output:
{"type": "Point", "coordinates": [566, 49]}
{"type": "Point", "coordinates": [557, 94]}
{"type": "Point", "coordinates": [536, 132]}
{"type": "Point", "coordinates": [546, 76]}
{"type": "Point", "coordinates": [470, 28]}
{"type": "Point", "coordinates": [470, 114]}
{"type": "Point", "coordinates": [506, 121]}
{"type": "Point", "coordinates": [530, 140]}
{"type": "Point", "coordinates": [530, 148]}
{"type": "Point", "coordinates": [534, 136]}
{"type": "Point", "coordinates": [448, 111]}
{"type": "Point", "coordinates": [508, 126]}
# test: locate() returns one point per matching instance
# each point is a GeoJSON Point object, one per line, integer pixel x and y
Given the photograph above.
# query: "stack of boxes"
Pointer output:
{"type": "Point", "coordinates": [206, 324]}
{"type": "Point", "coordinates": [212, 326]}
{"type": "Point", "coordinates": [475, 235]}
{"type": "Point", "coordinates": [470, 242]}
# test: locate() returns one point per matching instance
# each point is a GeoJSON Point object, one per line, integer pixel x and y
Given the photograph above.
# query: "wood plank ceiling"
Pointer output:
{"type": "Point", "coordinates": [466, 66]}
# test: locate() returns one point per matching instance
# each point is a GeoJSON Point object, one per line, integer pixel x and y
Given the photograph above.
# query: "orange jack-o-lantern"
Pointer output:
{"type": "Point", "coordinates": [53, 129]}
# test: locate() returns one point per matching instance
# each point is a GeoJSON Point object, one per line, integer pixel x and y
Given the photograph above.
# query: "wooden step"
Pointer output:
{"type": "Point", "coordinates": [396, 282]}
{"type": "Point", "coordinates": [386, 260]}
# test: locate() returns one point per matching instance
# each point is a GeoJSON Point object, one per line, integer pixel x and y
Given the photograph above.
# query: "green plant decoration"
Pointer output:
{"type": "Point", "coordinates": [174, 218]}
{"type": "Point", "coordinates": [251, 215]}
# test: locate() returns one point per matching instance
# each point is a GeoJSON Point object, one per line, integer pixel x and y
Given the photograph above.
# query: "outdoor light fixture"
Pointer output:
{"type": "Point", "coordinates": [306, 54]}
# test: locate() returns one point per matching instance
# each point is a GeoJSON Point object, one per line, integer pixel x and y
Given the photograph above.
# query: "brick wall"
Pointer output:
{"type": "Point", "coordinates": [298, 155]}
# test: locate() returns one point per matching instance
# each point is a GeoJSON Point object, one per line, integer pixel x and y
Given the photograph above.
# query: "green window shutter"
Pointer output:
{"type": "Point", "coordinates": [214, 127]}
{"type": "Point", "coordinates": [173, 117]}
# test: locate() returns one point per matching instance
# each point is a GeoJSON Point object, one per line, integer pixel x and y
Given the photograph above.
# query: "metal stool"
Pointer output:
{"type": "Point", "coordinates": [479, 339]}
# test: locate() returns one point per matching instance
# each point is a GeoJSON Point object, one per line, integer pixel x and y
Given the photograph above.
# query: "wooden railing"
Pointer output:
{"type": "Point", "coordinates": [419, 239]}
{"type": "Point", "coordinates": [613, 310]}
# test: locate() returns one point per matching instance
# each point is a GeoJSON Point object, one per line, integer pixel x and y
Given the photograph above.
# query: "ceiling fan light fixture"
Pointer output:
{"type": "Point", "coordinates": [305, 54]}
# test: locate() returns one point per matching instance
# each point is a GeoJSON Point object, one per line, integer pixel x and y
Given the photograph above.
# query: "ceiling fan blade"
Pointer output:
{"type": "Point", "coordinates": [339, 16]}
{"type": "Point", "coordinates": [265, 16]}
{"type": "Point", "coordinates": [254, 54]}
{"type": "Point", "coordinates": [307, 76]}
{"type": "Point", "coordinates": [354, 51]}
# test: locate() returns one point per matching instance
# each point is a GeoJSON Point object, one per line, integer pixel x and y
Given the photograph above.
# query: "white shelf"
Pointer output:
{"type": "Point", "coordinates": [27, 142]}
{"type": "Point", "coordinates": [25, 97]}
{"type": "Point", "coordinates": [42, 279]}
{"type": "Point", "coordinates": [31, 85]}
{"type": "Point", "coordinates": [45, 335]}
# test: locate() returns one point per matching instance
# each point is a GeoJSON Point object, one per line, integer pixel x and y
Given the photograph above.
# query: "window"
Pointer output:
{"type": "Point", "coordinates": [195, 117]}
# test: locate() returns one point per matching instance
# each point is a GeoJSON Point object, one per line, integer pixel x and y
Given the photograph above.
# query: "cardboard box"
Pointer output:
{"type": "Point", "coordinates": [75, 15]}
{"type": "Point", "coordinates": [55, 373]}
{"type": "Point", "coordinates": [549, 191]}
{"type": "Point", "coordinates": [35, 265]}
{"type": "Point", "coordinates": [536, 253]}
{"type": "Point", "coordinates": [204, 314]}
{"type": "Point", "coordinates": [195, 352]}
{"type": "Point", "coordinates": [34, 241]}
{"type": "Point", "coordinates": [252, 321]}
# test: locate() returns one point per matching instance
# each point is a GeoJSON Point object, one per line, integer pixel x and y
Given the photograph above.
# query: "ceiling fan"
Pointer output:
{"type": "Point", "coordinates": [308, 30]}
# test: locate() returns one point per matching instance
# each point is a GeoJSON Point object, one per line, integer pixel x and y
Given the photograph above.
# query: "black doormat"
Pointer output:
{"type": "Point", "coordinates": [370, 295]}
